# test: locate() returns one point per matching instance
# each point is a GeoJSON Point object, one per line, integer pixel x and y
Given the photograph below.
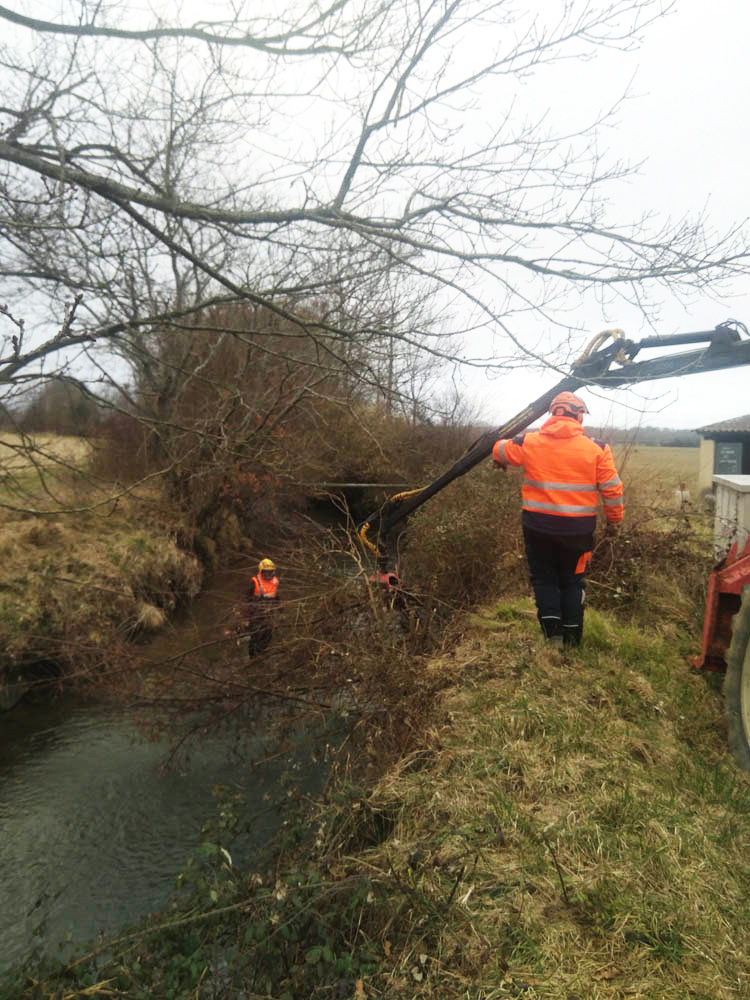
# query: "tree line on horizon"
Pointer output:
{"type": "Point", "coordinates": [63, 408]}
{"type": "Point", "coordinates": [668, 437]}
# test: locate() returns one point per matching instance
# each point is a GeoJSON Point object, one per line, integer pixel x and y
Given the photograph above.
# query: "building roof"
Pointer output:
{"type": "Point", "coordinates": [735, 424]}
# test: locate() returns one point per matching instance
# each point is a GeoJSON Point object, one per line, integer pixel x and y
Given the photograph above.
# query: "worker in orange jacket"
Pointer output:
{"type": "Point", "coordinates": [565, 472]}
{"type": "Point", "coordinates": [262, 596]}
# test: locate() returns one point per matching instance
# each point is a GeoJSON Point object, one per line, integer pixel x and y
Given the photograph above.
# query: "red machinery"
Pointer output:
{"type": "Point", "coordinates": [726, 630]}
{"type": "Point", "coordinates": [726, 643]}
{"type": "Point", "coordinates": [722, 604]}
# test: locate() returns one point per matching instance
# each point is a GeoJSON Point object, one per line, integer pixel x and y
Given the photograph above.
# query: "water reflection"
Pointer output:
{"type": "Point", "coordinates": [92, 833]}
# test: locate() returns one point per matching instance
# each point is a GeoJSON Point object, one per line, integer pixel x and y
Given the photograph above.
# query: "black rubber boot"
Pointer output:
{"type": "Point", "coordinates": [552, 631]}
{"type": "Point", "coordinates": [551, 627]}
{"type": "Point", "coordinates": [572, 635]}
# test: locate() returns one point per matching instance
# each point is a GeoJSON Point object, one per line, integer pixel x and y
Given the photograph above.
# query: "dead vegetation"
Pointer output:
{"type": "Point", "coordinates": [502, 822]}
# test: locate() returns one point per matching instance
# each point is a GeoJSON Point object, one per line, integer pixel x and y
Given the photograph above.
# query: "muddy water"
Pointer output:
{"type": "Point", "coordinates": [92, 831]}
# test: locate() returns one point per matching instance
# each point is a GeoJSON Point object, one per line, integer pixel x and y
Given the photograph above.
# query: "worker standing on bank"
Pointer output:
{"type": "Point", "coordinates": [564, 474]}
{"type": "Point", "coordinates": [261, 600]}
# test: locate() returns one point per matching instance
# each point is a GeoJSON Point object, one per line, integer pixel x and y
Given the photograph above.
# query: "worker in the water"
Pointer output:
{"type": "Point", "coordinates": [260, 602]}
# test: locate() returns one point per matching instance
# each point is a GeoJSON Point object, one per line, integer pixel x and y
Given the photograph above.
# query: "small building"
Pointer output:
{"type": "Point", "coordinates": [724, 450]}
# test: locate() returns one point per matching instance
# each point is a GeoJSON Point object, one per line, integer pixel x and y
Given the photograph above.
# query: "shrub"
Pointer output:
{"type": "Point", "coordinates": [466, 543]}
{"type": "Point", "coordinates": [121, 450]}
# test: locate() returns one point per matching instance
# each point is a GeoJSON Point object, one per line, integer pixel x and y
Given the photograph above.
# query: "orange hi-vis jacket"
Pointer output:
{"type": "Point", "coordinates": [565, 473]}
{"type": "Point", "coordinates": [266, 588]}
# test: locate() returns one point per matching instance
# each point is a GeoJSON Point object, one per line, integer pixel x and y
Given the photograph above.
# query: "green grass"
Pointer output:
{"type": "Point", "coordinates": [583, 764]}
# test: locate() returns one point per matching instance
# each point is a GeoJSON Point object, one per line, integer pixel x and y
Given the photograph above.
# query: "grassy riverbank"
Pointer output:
{"type": "Point", "coordinates": [77, 582]}
{"type": "Point", "coordinates": [508, 823]}
{"type": "Point", "coordinates": [561, 828]}
{"type": "Point", "coordinates": [88, 565]}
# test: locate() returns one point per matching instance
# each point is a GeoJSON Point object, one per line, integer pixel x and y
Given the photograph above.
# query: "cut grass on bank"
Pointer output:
{"type": "Point", "coordinates": [579, 829]}
{"type": "Point", "coordinates": [79, 573]}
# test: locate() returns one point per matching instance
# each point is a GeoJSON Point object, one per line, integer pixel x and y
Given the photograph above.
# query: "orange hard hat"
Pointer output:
{"type": "Point", "coordinates": [566, 404]}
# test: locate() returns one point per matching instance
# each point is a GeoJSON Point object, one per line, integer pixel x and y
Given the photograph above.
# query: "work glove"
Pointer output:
{"type": "Point", "coordinates": [499, 465]}
{"type": "Point", "coordinates": [612, 530]}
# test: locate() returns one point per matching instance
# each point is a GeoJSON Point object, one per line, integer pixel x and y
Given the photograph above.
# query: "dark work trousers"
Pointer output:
{"type": "Point", "coordinates": [557, 566]}
{"type": "Point", "coordinates": [260, 626]}
{"type": "Point", "coordinates": [259, 636]}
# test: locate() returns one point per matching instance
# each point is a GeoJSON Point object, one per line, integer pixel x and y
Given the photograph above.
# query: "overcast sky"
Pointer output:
{"type": "Point", "coordinates": [688, 119]}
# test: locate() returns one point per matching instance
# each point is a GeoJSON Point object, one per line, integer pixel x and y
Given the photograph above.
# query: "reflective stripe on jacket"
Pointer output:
{"type": "Point", "coordinates": [265, 588]}
{"type": "Point", "coordinates": [565, 471]}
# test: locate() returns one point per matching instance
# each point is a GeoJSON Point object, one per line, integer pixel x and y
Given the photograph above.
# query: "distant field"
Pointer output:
{"type": "Point", "coordinates": [17, 453]}
{"type": "Point", "coordinates": [30, 467]}
{"type": "Point", "coordinates": [659, 470]}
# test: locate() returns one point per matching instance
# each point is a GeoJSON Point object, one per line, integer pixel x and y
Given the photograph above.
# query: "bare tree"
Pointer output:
{"type": "Point", "coordinates": [361, 172]}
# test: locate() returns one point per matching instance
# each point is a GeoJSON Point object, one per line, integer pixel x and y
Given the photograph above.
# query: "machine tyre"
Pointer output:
{"type": "Point", "coordinates": [737, 684]}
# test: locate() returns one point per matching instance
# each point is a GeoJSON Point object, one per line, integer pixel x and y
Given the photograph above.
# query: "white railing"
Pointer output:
{"type": "Point", "coordinates": [732, 512]}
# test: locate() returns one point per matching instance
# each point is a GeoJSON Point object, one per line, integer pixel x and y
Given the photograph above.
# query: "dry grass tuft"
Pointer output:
{"type": "Point", "coordinates": [150, 617]}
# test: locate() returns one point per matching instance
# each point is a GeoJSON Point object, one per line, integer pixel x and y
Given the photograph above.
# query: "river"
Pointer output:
{"type": "Point", "coordinates": [92, 831]}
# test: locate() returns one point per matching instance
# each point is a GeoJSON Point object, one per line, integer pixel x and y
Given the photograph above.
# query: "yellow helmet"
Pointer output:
{"type": "Point", "coordinates": [266, 564]}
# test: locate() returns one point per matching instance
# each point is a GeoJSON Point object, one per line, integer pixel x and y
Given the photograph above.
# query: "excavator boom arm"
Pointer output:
{"type": "Point", "coordinates": [723, 348]}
